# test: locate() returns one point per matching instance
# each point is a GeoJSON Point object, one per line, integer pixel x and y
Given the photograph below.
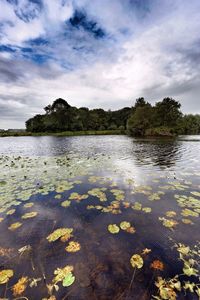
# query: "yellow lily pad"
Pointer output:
{"type": "Point", "coordinates": [15, 226]}
{"type": "Point", "coordinates": [73, 247]}
{"type": "Point", "coordinates": [113, 228]}
{"type": "Point", "coordinates": [58, 233]}
{"type": "Point", "coordinates": [66, 203]}
{"type": "Point", "coordinates": [136, 261]}
{"type": "Point", "coordinates": [5, 275]}
{"type": "Point", "coordinates": [125, 225]}
{"type": "Point", "coordinates": [11, 211]}
{"type": "Point", "coordinates": [61, 273]}
{"type": "Point", "coordinates": [30, 215]}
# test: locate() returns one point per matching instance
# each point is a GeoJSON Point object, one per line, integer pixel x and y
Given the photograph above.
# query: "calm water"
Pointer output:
{"type": "Point", "coordinates": [88, 183]}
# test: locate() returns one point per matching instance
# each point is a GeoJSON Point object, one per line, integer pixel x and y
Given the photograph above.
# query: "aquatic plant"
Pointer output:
{"type": "Point", "coordinates": [14, 226]}
{"type": "Point", "coordinates": [73, 247]}
{"type": "Point", "coordinates": [136, 261]}
{"type": "Point", "coordinates": [113, 228]}
{"type": "Point", "coordinates": [20, 286]}
{"type": "Point", "coordinates": [30, 215]}
{"type": "Point", "coordinates": [5, 275]}
{"type": "Point", "coordinates": [58, 233]}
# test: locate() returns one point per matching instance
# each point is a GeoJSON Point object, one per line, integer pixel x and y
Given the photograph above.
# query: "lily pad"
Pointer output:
{"type": "Point", "coordinates": [58, 233]}
{"type": "Point", "coordinates": [125, 225]}
{"type": "Point", "coordinates": [68, 280]}
{"type": "Point", "coordinates": [14, 226]}
{"type": "Point", "coordinates": [73, 247]}
{"type": "Point", "coordinates": [30, 215]}
{"type": "Point", "coordinates": [20, 286]}
{"type": "Point", "coordinates": [61, 273]}
{"type": "Point", "coordinates": [113, 228]}
{"type": "Point", "coordinates": [5, 275]}
{"type": "Point", "coordinates": [136, 261]}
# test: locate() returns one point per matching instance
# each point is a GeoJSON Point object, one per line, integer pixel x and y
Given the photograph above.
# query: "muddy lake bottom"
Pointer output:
{"type": "Point", "coordinates": [88, 225]}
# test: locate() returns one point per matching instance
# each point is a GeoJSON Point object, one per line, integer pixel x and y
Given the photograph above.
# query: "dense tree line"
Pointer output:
{"type": "Point", "coordinates": [60, 116]}
{"type": "Point", "coordinates": [164, 118]}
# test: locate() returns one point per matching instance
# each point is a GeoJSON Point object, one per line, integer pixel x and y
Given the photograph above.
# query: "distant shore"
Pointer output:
{"type": "Point", "coordinates": [64, 133]}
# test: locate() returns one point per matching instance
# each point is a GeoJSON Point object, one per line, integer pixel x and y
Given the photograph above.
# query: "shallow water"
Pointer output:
{"type": "Point", "coordinates": [152, 184]}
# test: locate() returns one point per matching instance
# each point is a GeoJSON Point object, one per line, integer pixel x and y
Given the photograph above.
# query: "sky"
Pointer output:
{"type": "Point", "coordinates": [99, 54]}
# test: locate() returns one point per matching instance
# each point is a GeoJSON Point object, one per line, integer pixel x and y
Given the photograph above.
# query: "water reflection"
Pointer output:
{"type": "Point", "coordinates": [157, 152]}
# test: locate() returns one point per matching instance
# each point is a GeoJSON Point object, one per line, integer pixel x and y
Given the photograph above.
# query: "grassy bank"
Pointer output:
{"type": "Point", "coordinates": [64, 133]}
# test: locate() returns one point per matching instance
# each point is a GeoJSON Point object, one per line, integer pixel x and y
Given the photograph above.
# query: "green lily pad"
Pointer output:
{"type": "Point", "coordinates": [68, 280]}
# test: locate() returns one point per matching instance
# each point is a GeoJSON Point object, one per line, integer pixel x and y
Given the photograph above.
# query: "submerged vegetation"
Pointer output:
{"type": "Point", "coordinates": [79, 228]}
{"type": "Point", "coordinates": [163, 119]}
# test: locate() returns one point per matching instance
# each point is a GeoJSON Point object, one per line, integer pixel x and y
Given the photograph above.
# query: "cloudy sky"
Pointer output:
{"type": "Point", "coordinates": [99, 53]}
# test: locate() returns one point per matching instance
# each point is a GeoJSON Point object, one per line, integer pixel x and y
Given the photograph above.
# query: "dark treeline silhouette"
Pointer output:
{"type": "Point", "coordinates": [164, 118]}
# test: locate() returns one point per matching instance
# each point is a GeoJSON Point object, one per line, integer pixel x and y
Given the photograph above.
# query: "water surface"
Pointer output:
{"type": "Point", "coordinates": [86, 184]}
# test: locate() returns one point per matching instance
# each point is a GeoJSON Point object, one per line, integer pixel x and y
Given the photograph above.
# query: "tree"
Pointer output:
{"type": "Point", "coordinates": [167, 113]}
{"type": "Point", "coordinates": [59, 104]}
{"type": "Point", "coordinates": [140, 120]}
{"type": "Point", "coordinates": [48, 109]}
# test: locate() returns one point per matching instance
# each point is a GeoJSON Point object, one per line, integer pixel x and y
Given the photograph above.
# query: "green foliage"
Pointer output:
{"type": "Point", "coordinates": [160, 120]}
{"type": "Point", "coordinates": [140, 120]}
{"type": "Point", "coordinates": [60, 116]}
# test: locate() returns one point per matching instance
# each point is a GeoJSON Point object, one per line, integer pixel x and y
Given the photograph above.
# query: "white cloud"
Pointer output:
{"type": "Point", "coordinates": [156, 58]}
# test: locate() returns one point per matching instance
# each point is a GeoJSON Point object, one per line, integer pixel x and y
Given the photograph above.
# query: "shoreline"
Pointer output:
{"type": "Point", "coordinates": [64, 133]}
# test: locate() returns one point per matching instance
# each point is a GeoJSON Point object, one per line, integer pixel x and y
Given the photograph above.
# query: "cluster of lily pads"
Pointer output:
{"type": "Point", "coordinates": [125, 226]}
{"type": "Point", "coordinates": [33, 177]}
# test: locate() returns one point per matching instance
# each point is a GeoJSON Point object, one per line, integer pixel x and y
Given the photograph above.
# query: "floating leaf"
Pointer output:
{"type": "Point", "coordinates": [24, 249]}
{"type": "Point", "coordinates": [136, 261]}
{"type": "Point", "coordinates": [169, 223]}
{"type": "Point", "coordinates": [28, 205]}
{"type": "Point", "coordinates": [78, 197]}
{"type": "Point", "coordinates": [131, 229]}
{"type": "Point", "coordinates": [146, 251]}
{"type": "Point", "coordinates": [11, 211]}
{"type": "Point", "coordinates": [98, 192]}
{"type": "Point", "coordinates": [14, 226]}
{"type": "Point", "coordinates": [188, 212]}
{"type": "Point", "coordinates": [68, 280]}
{"type": "Point", "coordinates": [147, 209]}
{"type": "Point", "coordinates": [62, 273]}
{"type": "Point", "coordinates": [183, 249]}
{"type": "Point", "coordinates": [5, 275]}
{"type": "Point", "coordinates": [56, 234]}
{"type": "Point", "coordinates": [189, 271]}
{"type": "Point", "coordinates": [125, 225]}
{"type": "Point", "coordinates": [20, 286]}
{"type": "Point", "coordinates": [73, 247]}
{"type": "Point", "coordinates": [170, 213]}
{"type": "Point", "coordinates": [157, 265]}
{"type": "Point", "coordinates": [5, 251]}
{"type": "Point", "coordinates": [187, 221]}
{"type": "Point", "coordinates": [189, 286]}
{"type": "Point", "coordinates": [66, 237]}
{"type": "Point", "coordinates": [113, 228]}
{"type": "Point", "coordinates": [66, 203]}
{"type": "Point", "coordinates": [30, 215]}
{"type": "Point", "coordinates": [137, 206]}
{"type": "Point", "coordinates": [34, 282]}
{"type": "Point", "coordinates": [196, 194]}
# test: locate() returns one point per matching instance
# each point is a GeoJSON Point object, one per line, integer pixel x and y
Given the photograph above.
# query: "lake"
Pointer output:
{"type": "Point", "coordinates": [99, 217]}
